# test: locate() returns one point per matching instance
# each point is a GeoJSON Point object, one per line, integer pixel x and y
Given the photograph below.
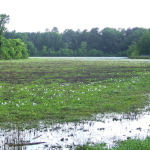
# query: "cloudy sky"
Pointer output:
{"type": "Point", "coordinates": [37, 15]}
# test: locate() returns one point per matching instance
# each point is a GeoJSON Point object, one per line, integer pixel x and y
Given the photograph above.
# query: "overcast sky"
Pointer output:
{"type": "Point", "coordinates": [37, 15]}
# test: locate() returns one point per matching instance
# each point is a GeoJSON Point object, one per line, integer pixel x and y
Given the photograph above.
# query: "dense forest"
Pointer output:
{"type": "Point", "coordinates": [107, 42]}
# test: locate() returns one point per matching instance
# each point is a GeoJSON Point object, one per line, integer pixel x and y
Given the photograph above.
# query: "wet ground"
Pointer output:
{"type": "Point", "coordinates": [108, 128]}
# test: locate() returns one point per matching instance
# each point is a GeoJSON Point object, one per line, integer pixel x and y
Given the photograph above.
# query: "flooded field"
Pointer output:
{"type": "Point", "coordinates": [70, 91]}
{"type": "Point", "coordinates": [106, 128]}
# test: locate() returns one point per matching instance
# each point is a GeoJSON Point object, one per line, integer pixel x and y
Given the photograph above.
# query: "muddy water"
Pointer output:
{"type": "Point", "coordinates": [108, 128]}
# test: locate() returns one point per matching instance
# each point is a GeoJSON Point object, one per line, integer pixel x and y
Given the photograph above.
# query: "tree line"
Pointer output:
{"type": "Point", "coordinates": [107, 42]}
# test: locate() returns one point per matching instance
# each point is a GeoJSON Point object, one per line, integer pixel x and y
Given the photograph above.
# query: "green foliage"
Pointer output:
{"type": "Point", "coordinates": [55, 29]}
{"type": "Point", "coordinates": [108, 42]}
{"type": "Point", "coordinates": [144, 44]}
{"type": "Point", "coordinates": [44, 51]}
{"type": "Point", "coordinates": [133, 50]}
{"type": "Point", "coordinates": [111, 42]}
{"type": "Point", "coordinates": [96, 53]}
{"type": "Point", "coordinates": [13, 49]}
{"type": "Point", "coordinates": [141, 47]}
{"type": "Point", "coordinates": [3, 20]}
{"type": "Point", "coordinates": [82, 51]}
{"type": "Point", "coordinates": [51, 52]}
{"type": "Point", "coordinates": [65, 52]}
{"type": "Point", "coordinates": [32, 49]}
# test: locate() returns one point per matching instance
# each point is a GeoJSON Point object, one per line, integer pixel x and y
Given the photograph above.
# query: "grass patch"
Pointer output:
{"type": "Point", "coordinates": [70, 90]}
{"type": "Point", "coordinates": [122, 145]}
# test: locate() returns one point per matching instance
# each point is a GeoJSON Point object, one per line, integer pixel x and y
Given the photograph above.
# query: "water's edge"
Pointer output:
{"type": "Point", "coordinates": [108, 128]}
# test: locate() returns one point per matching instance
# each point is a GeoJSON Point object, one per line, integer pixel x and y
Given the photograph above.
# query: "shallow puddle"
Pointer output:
{"type": "Point", "coordinates": [108, 128]}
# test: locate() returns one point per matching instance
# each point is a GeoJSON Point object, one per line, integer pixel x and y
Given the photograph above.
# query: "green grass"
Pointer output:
{"type": "Point", "coordinates": [122, 145]}
{"type": "Point", "coordinates": [70, 90]}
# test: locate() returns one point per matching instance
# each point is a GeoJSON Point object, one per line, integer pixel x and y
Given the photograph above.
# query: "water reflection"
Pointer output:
{"type": "Point", "coordinates": [108, 128]}
{"type": "Point", "coordinates": [83, 58]}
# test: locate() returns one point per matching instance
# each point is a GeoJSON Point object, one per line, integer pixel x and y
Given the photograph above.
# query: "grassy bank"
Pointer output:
{"type": "Point", "coordinates": [69, 90]}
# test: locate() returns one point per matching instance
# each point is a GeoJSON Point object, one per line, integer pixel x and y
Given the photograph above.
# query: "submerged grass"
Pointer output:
{"type": "Point", "coordinates": [69, 90]}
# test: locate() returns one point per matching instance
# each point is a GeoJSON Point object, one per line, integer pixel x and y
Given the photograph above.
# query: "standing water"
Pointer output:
{"type": "Point", "coordinates": [106, 128]}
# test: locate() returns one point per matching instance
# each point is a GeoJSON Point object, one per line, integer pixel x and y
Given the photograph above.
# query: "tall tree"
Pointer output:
{"type": "Point", "coordinates": [55, 29]}
{"type": "Point", "coordinates": [109, 40]}
{"type": "Point", "coordinates": [94, 39]}
{"type": "Point", "coordinates": [3, 20]}
{"type": "Point", "coordinates": [144, 44]}
{"type": "Point", "coordinates": [69, 37]}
